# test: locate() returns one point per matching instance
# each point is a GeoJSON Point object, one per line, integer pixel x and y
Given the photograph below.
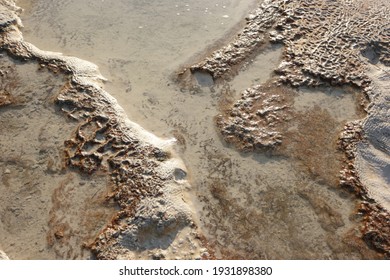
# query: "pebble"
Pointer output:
{"type": "Point", "coordinates": [7, 171]}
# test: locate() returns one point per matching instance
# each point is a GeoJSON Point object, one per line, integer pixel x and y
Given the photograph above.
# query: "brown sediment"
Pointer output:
{"type": "Point", "coordinates": [247, 232]}
{"type": "Point", "coordinates": [325, 43]}
{"type": "Point", "coordinates": [66, 234]}
{"type": "Point", "coordinates": [312, 141]}
{"type": "Point", "coordinates": [227, 204]}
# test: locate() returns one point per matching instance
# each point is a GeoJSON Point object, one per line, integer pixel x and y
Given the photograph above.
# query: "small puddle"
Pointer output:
{"type": "Point", "coordinates": [259, 70]}
{"type": "Point", "coordinates": [203, 78]}
{"type": "Point", "coordinates": [342, 103]}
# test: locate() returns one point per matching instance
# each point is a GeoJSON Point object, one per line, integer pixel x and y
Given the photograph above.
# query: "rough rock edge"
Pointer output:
{"type": "Point", "coordinates": [300, 67]}
{"type": "Point", "coordinates": [107, 141]}
{"type": "Point", "coordinates": [376, 219]}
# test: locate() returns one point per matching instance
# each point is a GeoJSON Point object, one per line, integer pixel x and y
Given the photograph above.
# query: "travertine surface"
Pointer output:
{"type": "Point", "coordinates": [330, 43]}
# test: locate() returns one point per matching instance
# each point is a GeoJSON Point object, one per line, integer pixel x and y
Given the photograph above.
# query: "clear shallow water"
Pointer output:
{"type": "Point", "coordinates": [136, 44]}
{"type": "Point", "coordinates": [248, 205]}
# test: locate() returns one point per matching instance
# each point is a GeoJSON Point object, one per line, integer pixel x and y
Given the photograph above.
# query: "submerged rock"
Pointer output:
{"type": "Point", "coordinates": [257, 120]}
